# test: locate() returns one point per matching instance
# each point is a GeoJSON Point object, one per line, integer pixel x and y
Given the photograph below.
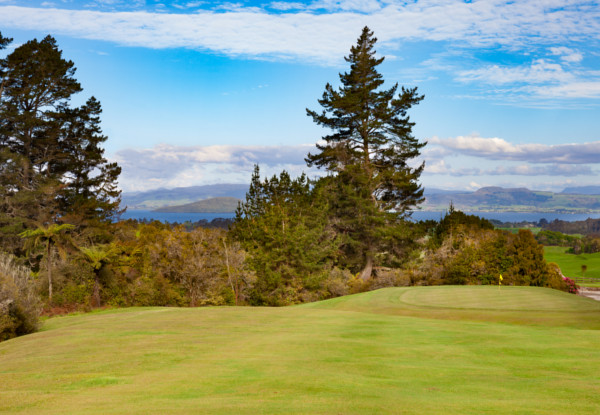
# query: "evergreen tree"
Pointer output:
{"type": "Point", "coordinates": [368, 154]}
{"type": "Point", "coordinates": [4, 41]}
{"type": "Point", "coordinates": [52, 167]}
{"type": "Point", "coordinates": [291, 245]}
{"type": "Point", "coordinates": [90, 191]}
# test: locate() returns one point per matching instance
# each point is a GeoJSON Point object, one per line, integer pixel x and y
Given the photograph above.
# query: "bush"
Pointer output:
{"type": "Point", "coordinates": [19, 304]}
{"type": "Point", "coordinates": [390, 277]}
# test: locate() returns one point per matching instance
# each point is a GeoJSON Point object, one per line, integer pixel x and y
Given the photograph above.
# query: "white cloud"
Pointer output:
{"type": "Point", "coordinates": [539, 81]}
{"type": "Point", "coordinates": [562, 170]}
{"type": "Point", "coordinates": [364, 6]}
{"type": "Point", "coordinates": [189, 5]}
{"type": "Point", "coordinates": [539, 72]}
{"type": "Point", "coordinates": [286, 5]}
{"type": "Point", "coordinates": [325, 37]}
{"type": "Point", "coordinates": [437, 167]}
{"type": "Point", "coordinates": [500, 149]}
{"type": "Point", "coordinates": [171, 166]}
{"type": "Point", "coordinates": [567, 54]}
{"type": "Point", "coordinates": [576, 89]}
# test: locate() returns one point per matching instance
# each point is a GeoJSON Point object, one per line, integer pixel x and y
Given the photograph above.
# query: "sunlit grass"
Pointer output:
{"type": "Point", "coordinates": [570, 264]}
{"type": "Point", "coordinates": [424, 350]}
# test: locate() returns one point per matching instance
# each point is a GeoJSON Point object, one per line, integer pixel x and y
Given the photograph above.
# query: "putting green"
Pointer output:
{"type": "Point", "coordinates": [496, 298]}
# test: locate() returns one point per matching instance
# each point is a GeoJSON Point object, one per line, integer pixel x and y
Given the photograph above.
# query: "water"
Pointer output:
{"type": "Point", "coordinates": [173, 217]}
{"type": "Point", "coordinates": [419, 215]}
{"type": "Point", "coordinates": [513, 216]}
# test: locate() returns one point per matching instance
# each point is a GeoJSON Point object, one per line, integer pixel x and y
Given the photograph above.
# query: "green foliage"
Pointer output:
{"type": "Point", "coordinates": [4, 41]}
{"type": "Point", "coordinates": [52, 237]}
{"type": "Point", "coordinates": [19, 304]}
{"type": "Point", "coordinates": [52, 168]}
{"type": "Point", "coordinates": [552, 238]}
{"type": "Point", "coordinates": [464, 250]}
{"type": "Point", "coordinates": [585, 227]}
{"type": "Point", "coordinates": [529, 267]}
{"type": "Point", "coordinates": [452, 221]}
{"type": "Point", "coordinates": [372, 185]}
{"type": "Point", "coordinates": [291, 244]}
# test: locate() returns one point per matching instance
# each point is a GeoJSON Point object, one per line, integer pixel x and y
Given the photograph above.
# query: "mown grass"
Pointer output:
{"type": "Point", "coordinates": [422, 350]}
{"type": "Point", "coordinates": [570, 264]}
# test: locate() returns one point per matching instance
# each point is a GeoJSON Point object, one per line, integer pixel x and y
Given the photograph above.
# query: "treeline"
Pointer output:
{"type": "Point", "coordinates": [293, 240]}
{"type": "Point", "coordinates": [588, 244]}
{"type": "Point", "coordinates": [464, 249]}
{"type": "Point", "coordinates": [584, 227]}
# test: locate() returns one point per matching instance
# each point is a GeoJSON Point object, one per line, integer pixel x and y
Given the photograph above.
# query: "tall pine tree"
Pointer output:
{"type": "Point", "coordinates": [368, 154]}
{"type": "Point", "coordinates": [52, 167]}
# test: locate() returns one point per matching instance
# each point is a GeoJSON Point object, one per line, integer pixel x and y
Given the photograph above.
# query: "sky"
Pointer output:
{"type": "Point", "coordinates": [197, 92]}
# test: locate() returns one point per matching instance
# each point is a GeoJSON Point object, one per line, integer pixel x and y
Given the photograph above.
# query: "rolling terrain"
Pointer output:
{"type": "Point", "coordinates": [420, 350]}
{"type": "Point", "coordinates": [153, 199]}
{"type": "Point", "coordinates": [486, 199]}
{"type": "Point", "coordinates": [498, 199]}
{"type": "Point", "coordinates": [212, 205]}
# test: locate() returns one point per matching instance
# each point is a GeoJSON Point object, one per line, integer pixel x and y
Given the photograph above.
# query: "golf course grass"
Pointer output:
{"type": "Point", "coordinates": [570, 264]}
{"type": "Point", "coordinates": [418, 350]}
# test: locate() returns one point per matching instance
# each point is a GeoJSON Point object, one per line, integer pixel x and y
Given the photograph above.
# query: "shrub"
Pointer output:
{"type": "Point", "coordinates": [390, 277]}
{"type": "Point", "coordinates": [19, 304]}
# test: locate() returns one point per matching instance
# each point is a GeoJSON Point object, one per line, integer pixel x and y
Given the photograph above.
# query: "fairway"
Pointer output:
{"type": "Point", "coordinates": [420, 350]}
{"type": "Point", "coordinates": [570, 264]}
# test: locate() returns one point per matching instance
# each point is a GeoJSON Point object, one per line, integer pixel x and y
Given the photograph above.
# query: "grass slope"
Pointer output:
{"type": "Point", "coordinates": [570, 264]}
{"type": "Point", "coordinates": [468, 352]}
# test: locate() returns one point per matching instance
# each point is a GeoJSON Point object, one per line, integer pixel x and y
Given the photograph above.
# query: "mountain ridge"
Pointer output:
{"type": "Point", "coordinates": [222, 204]}
{"type": "Point", "coordinates": [485, 199]}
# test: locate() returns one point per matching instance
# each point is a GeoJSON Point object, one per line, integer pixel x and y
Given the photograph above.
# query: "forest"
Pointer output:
{"type": "Point", "coordinates": [293, 240]}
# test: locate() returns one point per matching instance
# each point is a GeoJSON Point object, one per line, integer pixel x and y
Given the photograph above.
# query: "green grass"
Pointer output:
{"type": "Point", "coordinates": [421, 350]}
{"type": "Point", "coordinates": [570, 264]}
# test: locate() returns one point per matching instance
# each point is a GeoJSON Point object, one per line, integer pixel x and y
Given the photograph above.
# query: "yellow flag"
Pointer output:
{"type": "Point", "coordinates": [500, 280]}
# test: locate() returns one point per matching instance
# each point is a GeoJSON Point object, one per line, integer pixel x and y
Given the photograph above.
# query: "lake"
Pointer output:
{"type": "Point", "coordinates": [418, 215]}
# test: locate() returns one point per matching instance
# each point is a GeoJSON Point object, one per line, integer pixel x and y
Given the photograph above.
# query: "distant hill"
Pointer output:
{"type": "Point", "coordinates": [582, 190]}
{"type": "Point", "coordinates": [498, 199]}
{"type": "Point", "coordinates": [434, 191]}
{"type": "Point", "coordinates": [157, 198]}
{"type": "Point", "coordinates": [212, 205]}
{"type": "Point", "coordinates": [486, 199]}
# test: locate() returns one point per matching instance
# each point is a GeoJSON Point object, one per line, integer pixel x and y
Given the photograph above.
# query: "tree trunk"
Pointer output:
{"type": "Point", "coordinates": [49, 271]}
{"type": "Point", "coordinates": [233, 286]}
{"type": "Point", "coordinates": [96, 292]}
{"type": "Point", "coordinates": [368, 269]}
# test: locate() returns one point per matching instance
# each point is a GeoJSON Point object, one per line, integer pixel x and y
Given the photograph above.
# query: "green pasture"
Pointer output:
{"type": "Point", "coordinates": [570, 264]}
{"type": "Point", "coordinates": [419, 350]}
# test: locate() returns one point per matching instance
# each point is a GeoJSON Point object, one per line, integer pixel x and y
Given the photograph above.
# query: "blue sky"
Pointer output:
{"type": "Point", "coordinates": [196, 92]}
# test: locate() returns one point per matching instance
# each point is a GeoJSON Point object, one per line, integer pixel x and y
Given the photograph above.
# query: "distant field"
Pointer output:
{"type": "Point", "coordinates": [420, 350]}
{"type": "Point", "coordinates": [570, 264]}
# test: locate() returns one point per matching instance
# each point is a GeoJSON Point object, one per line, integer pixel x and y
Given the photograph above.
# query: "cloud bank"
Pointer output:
{"type": "Point", "coordinates": [500, 149]}
{"type": "Point", "coordinates": [302, 32]}
{"type": "Point", "coordinates": [169, 166]}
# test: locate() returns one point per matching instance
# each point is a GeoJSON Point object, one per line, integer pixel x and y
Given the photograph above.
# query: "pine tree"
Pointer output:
{"type": "Point", "coordinates": [52, 167]}
{"type": "Point", "coordinates": [290, 243]}
{"type": "Point", "coordinates": [368, 153]}
{"type": "Point", "coordinates": [90, 191]}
